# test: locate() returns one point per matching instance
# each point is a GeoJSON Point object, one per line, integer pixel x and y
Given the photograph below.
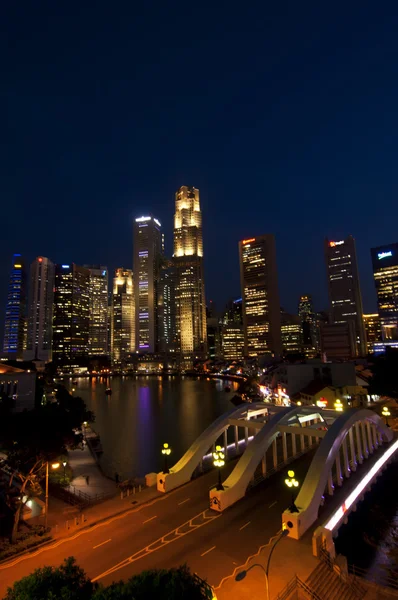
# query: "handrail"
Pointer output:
{"type": "Point", "coordinates": [383, 581]}
{"type": "Point", "coordinates": [292, 585]}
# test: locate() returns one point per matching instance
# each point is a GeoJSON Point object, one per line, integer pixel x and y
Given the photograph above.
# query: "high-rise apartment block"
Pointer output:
{"type": "Point", "coordinates": [123, 316]}
{"type": "Point", "coordinates": [344, 289]}
{"type": "Point", "coordinates": [40, 310]}
{"type": "Point", "coordinates": [385, 272]}
{"type": "Point", "coordinates": [372, 330]}
{"type": "Point", "coordinates": [147, 259]}
{"type": "Point", "coordinates": [13, 344]}
{"type": "Point", "coordinates": [190, 289]}
{"type": "Point", "coordinates": [259, 284]}
{"type": "Point", "coordinates": [98, 327]}
{"type": "Point", "coordinates": [71, 316]}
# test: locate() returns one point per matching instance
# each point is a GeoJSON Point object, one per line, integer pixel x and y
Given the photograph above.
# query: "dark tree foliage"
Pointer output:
{"type": "Point", "coordinates": [385, 374]}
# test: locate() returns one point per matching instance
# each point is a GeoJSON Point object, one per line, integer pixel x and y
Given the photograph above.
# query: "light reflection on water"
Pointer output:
{"type": "Point", "coordinates": [144, 413]}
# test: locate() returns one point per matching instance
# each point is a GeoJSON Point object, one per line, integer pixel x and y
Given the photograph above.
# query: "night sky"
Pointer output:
{"type": "Point", "coordinates": [283, 114]}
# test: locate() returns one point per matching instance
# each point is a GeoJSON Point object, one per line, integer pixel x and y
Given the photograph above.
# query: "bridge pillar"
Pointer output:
{"type": "Point", "coordinates": [226, 444]}
{"type": "Point", "coordinates": [236, 439]}
{"type": "Point", "coordinates": [294, 445]}
{"type": "Point", "coordinates": [364, 439]}
{"type": "Point", "coordinates": [338, 470]}
{"type": "Point", "coordinates": [359, 444]}
{"type": "Point", "coordinates": [330, 484]}
{"type": "Point", "coordinates": [352, 450]}
{"type": "Point", "coordinates": [374, 434]}
{"type": "Point", "coordinates": [284, 445]}
{"type": "Point", "coordinates": [275, 453]}
{"type": "Point", "coordinates": [264, 465]}
{"type": "Point", "coordinates": [345, 457]}
{"type": "Point", "coordinates": [370, 441]}
{"type": "Point", "coordinates": [302, 442]}
{"type": "Point", "coordinates": [246, 436]}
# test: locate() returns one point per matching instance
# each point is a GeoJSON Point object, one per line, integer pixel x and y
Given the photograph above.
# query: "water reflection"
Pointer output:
{"type": "Point", "coordinates": [142, 414]}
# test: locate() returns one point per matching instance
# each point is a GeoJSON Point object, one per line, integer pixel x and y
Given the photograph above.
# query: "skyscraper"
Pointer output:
{"type": "Point", "coordinates": [344, 289]}
{"type": "Point", "coordinates": [259, 284]}
{"type": "Point", "coordinates": [71, 317]}
{"type": "Point", "coordinates": [291, 333]}
{"type": "Point", "coordinates": [310, 332]}
{"type": "Point", "coordinates": [147, 258]}
{"type": "Point", "coordinates": [190, 288]}
{"type": "Point", "coordinates": [385, 272]}
{"type": "Point", "coordinates": [98, 327]}
{"type": "Point", "coordinates": [167, 326]}
{"type": "Point", "coordinates": [373, 330]}
{"type": "Point", "coordinates": [40, 310]}
{"type": "Point", "coordinates": [15, 310]}
{"type": "Point", "coordinates": [122, 320]}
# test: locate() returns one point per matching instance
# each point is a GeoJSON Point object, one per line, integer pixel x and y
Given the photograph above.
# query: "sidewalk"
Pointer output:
{"type": "Point", "coordinates": [87, 476]}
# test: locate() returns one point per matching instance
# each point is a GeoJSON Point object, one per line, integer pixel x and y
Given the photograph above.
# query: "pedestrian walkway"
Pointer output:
{"type": "Point", "coordinates": [87, 476]}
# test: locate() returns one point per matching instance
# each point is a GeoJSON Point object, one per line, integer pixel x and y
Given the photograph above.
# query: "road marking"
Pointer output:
{"type": "Point", "coordinates": [243, 526]}
{"type": "Point", "coordinates": [183, 502]}
{"type": "Point", "coordinates": [207, 551]}
{"type": "Point", "coordinates": [176, 534]}
{"type": "Point", "coordinates": [273, 504]}
{"type": "Point", "coordinates": [102, 543]}
{"type": "Point", "coordinates": [151, 519]}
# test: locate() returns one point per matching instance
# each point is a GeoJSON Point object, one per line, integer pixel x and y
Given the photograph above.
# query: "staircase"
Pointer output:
{"type": "Point", "coordinates": [327, 584]}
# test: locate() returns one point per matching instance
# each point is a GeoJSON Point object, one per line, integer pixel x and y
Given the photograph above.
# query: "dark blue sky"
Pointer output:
{"type": "Point", "coordinates": [283, 114]}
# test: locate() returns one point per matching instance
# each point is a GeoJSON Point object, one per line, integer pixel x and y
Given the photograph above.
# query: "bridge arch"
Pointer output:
{"type": "Point", "coordinates": [182, 471]}
{"type": "Point", "coordinates": [353, 436]}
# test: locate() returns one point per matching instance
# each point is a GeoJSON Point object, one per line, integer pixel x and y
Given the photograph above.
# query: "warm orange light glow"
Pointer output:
{"type": "Point", "coordinates": [248, 241]}
{"type": "Point", "coordinates": [40, 259]}
{"type": "Point", "coordinates": [17, 266]}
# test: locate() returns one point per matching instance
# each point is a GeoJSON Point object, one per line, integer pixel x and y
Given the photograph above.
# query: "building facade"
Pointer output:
{"type": "Point", "coordinates": [385, 273]}
{"type": "Point", "coordinates": [309, 325]}
{"type": "Point", "coordinates": [260, 296]}
{"type": "Point", "coordinates": [71, 316]}
{"type": "Point", "coordinates": [167, 327]}
{"type": "Point", "coordinates": [373, 330]}
{"type": "Point", "coordinates": [13, 344]}
{"type": "Point", "coordinates": [291, 334]}
{"type": "Point", "coordinates": [123, 316]}
{"type": "Point", "coordinates": [338, 341]}
{"type": "Point", "coordinates": [98, 328]}
{"type": "Point", "coordinates": [190, 287]}
{"type": "Point", "coordinates": [344, 290]}
{"type": "Point", "coordinates": [40, 310]}
{"type": "Point", "coordinates": [147, 259]}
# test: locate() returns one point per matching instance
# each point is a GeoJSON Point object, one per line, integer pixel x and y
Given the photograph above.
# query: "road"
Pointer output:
{"type": "Point", "coordinates": [175, 529]}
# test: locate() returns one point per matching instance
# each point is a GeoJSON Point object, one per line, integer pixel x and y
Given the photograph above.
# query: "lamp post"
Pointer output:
{"type": "Point", "coordinates": [338, 405]}
{"type": "Point", "coordinates": [53, 466]}
{"type": "Point", "coordinates": [242, 574]}
{"type": "Point", "coordinates": [64, 465]}
{"type": "Point", "coordinates": [219, 461]}
{"type": "Point", "coordinates": [292, 483]}
{"type": "Point", "coordinates": [166, 451]}
{"type": "Point", "coordinates": [386, 413]}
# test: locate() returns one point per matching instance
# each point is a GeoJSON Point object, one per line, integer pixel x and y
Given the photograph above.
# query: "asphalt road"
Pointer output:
{"type": "Point", "coordinates": [175, 529]}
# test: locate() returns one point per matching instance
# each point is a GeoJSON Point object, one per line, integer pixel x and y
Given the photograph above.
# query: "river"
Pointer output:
{"type": "Point", "coordinates": [145, 412]}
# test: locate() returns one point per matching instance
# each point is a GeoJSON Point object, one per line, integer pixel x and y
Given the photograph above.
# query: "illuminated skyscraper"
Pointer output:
{"type": "Point", "coordinates": [259, 284]}
{"type": "Point", "coordinates": [40, 310]}
{"type": "Point", "coordinates": [190, 288]}
{"type": "Point", "coordinates": [71, 316]}
{"type": "Point", "coordinates": [15, 310]}
{"type": "Point", "coordinates": [147, 258]}
{"type": "Point", "coordinates": [310, 330]}
{"type": "Point", "coordinates": [122, 322]}
{"type": "Point", "coordinates": [291, 333]}
{"type": "Point", "coordinates": [167, 328]}
{"type": "Point", "coordinates": [373, 330]}
{"type": "Point", "coordinates": [98, 329]}
{"type": "Point", "coordinates": [344, 289]}
{"type": "Point", "coordinates": [385, 272]}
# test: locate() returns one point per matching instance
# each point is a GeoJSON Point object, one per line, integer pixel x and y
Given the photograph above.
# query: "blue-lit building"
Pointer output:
{"type": "Point", "coordinates": [13, 344]}
{"type": "Point", "coordinates": [385, 272]}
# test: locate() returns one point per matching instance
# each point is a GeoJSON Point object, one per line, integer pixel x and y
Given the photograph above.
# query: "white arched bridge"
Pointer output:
{"type": "Point", "coordinates": [271, 437]}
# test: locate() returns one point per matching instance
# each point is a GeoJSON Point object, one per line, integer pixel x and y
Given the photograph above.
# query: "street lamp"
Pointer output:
{"type": "Point", "coordinates": [242, 574]}
{"type": "Point", "coordinates": [219, 461]}
{"type": "Point", "coordinates": [338, 405]}
{"type": "Point", "coordinates": [166, 451]}
{"type": "Point", "coordinates": [64, 465]}
{"type": "Point", "coordinates": [386, 413]}
{"type": "Point", "coordinates": [292, 483]}
{"type": "Point", "coordinates": [53, 466]}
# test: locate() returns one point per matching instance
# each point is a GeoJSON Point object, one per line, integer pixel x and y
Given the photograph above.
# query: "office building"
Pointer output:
{"type": "Point", "coordinates": [260, 296]}
{"type": "Point", "coordinates": [338, 341]}
{"type": "Point", "coordinates": [233, 342]}
{"type": "Point", "coordinates": [233, 313]}
{"type": "Point", "coordinates": [372, 325]}
{"type": "Point", "coordinates": [309, 324]}
{"type": "Point", "coordinates": [13, 344]}
{"type": "Point", "coordinates": [214, 343]}
{"type": "Point", "coordinates": [40, 310]}
{"type": "Point", "coordinates": [291, 334]}
{"type": "Point", "coordinates": [98, 328]}
{"type": "Point", "coordinates": [123, 316]}
{"type": "Point", "coordinates": [344, 289]}
{"type": "Point", "coordinates": [385, 272]}
{"type": "Point", "coordinates": [71, 316]}
{"type": "Point", "coordinates": [167, 326]}
{"type": "Point", "coordinates": [147, 259]}
{"type": "Point", "coordinates": [190, 287]}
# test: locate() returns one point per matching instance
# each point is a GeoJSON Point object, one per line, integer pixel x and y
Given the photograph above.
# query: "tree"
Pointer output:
{"type": "Point", "coordinates": [384, 381]}
{"type": "Point", "coordinates": [67, 582]}
{"type": "Point", "coordinates": [32, 438]}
